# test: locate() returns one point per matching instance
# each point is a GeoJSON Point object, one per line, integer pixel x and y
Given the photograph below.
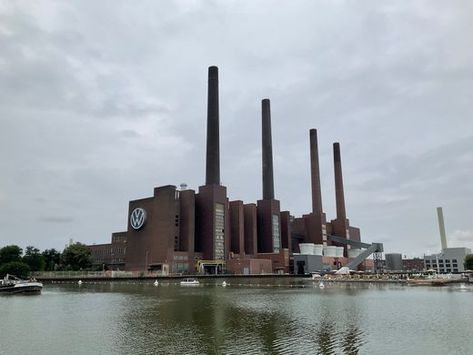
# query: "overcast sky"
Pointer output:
{"type": "Point", "coordinates": [101, 101]}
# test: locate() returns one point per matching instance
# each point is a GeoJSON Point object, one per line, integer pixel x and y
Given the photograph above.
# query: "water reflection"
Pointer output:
{"type": "Point", "coordinates": [213, 321]}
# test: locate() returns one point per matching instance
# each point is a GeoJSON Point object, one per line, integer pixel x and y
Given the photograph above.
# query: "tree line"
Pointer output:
{"type": "Point", "coordinates": [13, 261]}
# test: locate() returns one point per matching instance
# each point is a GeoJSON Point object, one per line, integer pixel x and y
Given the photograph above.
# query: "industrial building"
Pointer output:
{"type": "Point", "coordinates": [180, 230]}
{"type": "Point", "coordinates": [393, 262]}
{"type": "Point", "coordinates": [449, 260]}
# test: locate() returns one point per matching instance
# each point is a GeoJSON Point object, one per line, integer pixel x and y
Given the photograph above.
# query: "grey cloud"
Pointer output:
{"type": "Point", "coordinates": [99, 103]}
{"type": "Point", "coordinates": [56, 219]}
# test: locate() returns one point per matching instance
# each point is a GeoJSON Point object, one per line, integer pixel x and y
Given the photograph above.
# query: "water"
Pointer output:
{"type": "Point", "coordinates": [248, 317]}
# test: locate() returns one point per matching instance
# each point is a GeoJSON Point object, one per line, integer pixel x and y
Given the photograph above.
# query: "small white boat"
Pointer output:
{"type": "Point", "coordinates": [189, 282]}
{"type": "Point", "coordinates": [156, 283]}
{"type": "Point", "coordinates": [321, 284]}
{"type": "Point", "coordinates": [224, 284]}
{"type": "Point", "coordinates": [12, 285]}
{"type": "Point", "coordinates": [79, 282]}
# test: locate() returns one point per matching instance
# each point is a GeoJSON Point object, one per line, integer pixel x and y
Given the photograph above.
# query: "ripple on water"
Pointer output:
{"type": "Point", "coordinates": [141, 319]}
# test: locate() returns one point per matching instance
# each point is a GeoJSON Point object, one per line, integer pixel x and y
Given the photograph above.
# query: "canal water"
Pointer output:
{"type": "Point", "coordinates": [257, 316]}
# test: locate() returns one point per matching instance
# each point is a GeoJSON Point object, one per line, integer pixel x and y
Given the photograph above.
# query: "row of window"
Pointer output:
{"type": "Point", "coordinates": [180, 257]}
{"type": "Point", "coordinates": [276, 234]}
{"type": "Point", "coordinates": [102, 252]}
{"type": "Point", "coordinates": [219, 242]}
{"type": "Point", "coordinates": [441, 261]}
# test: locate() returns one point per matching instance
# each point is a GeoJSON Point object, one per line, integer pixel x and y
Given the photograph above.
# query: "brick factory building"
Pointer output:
{"type": "Point", "coordinates": [179, 230]}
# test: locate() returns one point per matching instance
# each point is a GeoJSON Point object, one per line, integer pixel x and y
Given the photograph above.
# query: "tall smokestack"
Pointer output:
{"type": "Point", "coordinates": [443, 236]}
{"type": "Point", "coordinates": [315, 173]}
{"type": "Point", "coordinates": [212, 176]}
{"type": "Point", "coordinates": [340, 197]}
{"type": "Point", "coordinates": [268, 182]}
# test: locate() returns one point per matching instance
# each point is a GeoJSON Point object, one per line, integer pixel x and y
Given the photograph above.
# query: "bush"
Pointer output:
{"type": "Point", "coordinates": [468, 262]}
{"type": "Point", "coordinates": [10, 253]}
{"type": "Point", "coordinates": [76, 257]}
{"type": "Point", "coordinates": [16, 268]}
{"type": "Point", "coordinates": [34, 259]}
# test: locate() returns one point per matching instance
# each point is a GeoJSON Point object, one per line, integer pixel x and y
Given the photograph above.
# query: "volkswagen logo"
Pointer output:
{"type": "Point", "coordinates": [138, 218]}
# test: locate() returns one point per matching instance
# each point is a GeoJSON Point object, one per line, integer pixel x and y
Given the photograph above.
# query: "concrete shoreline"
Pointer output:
{"type": "Point", "coordinates": [236, 277]}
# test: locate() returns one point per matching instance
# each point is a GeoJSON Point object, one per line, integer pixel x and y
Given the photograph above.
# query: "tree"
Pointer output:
{"type": "Point", "coordinates": [34, 259]}
{"type": "Point", "coordinates": [10, 253]}
{"type": "Point", "coordinates": [468, 262]}
{"type": "Point", "coordinates": [52, 259]}
{"type": "Point", "coordinates": [16, 268]}
{"type": "Point", "coordinates": [76, 256]}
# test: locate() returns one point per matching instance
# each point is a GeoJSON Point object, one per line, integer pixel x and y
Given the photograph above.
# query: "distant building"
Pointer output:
{"type": "Point", "coordinates": [413, 265]}
{"type": "Point", "coordinates": [393, 262]}
{"type": "Point", "coordinates": [111, 255]}
{"type": "Point", "coordinates": [449, 260]}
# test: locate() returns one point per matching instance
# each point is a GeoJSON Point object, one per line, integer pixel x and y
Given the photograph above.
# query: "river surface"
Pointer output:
{"type": "Point", "coordinates": [257, 316]}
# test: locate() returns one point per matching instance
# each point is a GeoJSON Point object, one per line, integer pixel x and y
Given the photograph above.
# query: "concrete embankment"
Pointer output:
{"type": "Point", "coordinates": [94, 278]}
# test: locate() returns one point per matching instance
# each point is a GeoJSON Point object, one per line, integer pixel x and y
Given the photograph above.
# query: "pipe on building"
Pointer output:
{"type": "Point", "coordinates": [315, 173]}
{"type": "Point", "coordinates": [443, 236]}
{"type": "Point", "coordinates": [339, 195]}
{"type": "Point", "coordinates": [268, 181]}
{"type": "Point", "coordinates": [212, 176]}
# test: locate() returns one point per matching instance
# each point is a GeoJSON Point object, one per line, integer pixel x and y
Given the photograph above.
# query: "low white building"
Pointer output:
{"type": "Point", "coordinates": [449, 260]}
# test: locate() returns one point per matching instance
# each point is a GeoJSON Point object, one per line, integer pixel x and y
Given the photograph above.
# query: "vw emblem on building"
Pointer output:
{"type": "Point", "coordinates": [137, 218]}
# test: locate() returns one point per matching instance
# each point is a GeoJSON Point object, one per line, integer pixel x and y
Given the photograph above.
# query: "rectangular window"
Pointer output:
{"type": "Point", "coordinates": [276, 234]}
{"type": "Point", "coordinates": [176, 243]}
{"type": "Point", "coordinates": [219, 242]}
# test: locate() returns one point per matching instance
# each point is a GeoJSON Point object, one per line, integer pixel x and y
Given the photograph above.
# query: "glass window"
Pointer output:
{"type": "Point", "coordinates": [219, 242]}
{"type": "Point", "coordinates": [276, 234]}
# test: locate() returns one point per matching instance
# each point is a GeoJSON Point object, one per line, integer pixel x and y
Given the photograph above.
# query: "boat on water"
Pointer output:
{"type": "Point", "coordinates": [189, 282]}
{"type": "Point", "coordinates": [13, 285]}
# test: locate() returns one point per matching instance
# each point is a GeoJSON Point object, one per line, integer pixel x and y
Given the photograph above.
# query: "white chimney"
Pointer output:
{"type": "Point", "coordinates": [443, 237]}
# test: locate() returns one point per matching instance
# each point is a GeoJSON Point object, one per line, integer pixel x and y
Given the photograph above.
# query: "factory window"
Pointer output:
{"type": "Point", "coordinates": [447, 260]}
{"type": "Point", "coordinates": [449, 270]}
{"type": "Point", "coordinates": [276, 234]}
{"type": "Point", "coordinates": [454, 260]}
{"type": "Point", "coordinates": [455, 265]}
{"type": "Point", "coordinates": [455, 270]}
{"type": "Point", "coordinates": [176, 243]}
{"type": "Point", "coordinates": [219, 242]}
